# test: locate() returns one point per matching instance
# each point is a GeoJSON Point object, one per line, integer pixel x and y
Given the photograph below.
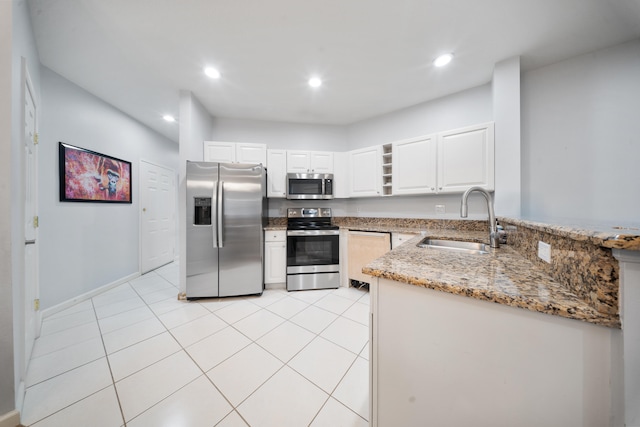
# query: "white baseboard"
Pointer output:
{"type": "Point", "coordinates": [88, 295]}
{"type": "Point", "coordinates": [10, 419]}
{"type": "Point", "coordinates": [20, 395]}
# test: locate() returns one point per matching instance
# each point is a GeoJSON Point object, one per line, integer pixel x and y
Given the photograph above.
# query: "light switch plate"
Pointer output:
{"type": "Point", "coordinates": [544, 251]}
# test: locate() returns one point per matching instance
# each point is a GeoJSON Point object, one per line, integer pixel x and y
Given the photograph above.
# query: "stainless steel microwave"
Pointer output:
{"type": "Point", "coordinates": [308, 186]}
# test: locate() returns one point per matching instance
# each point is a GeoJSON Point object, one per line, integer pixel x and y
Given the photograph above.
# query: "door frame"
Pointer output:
{"type": "Point", "coordinates": [20, 353]}
{"type": "Point", "coordinates": [140, 207]}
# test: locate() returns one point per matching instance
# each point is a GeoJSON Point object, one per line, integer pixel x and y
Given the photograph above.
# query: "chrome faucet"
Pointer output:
{"type": "Point", "coordinates": [493, 232]}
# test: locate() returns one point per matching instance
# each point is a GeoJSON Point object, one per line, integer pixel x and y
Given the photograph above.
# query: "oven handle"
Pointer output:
{"type": "Point", "coordinates": [313, 232]}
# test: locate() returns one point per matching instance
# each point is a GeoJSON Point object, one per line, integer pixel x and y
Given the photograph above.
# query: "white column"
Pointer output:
{"type": "Point", "coordinates": [629, 262]}
{"type": "Point", "coordinates": [196, 126]}
{"type": "Point", "coordinates": [506, 114]}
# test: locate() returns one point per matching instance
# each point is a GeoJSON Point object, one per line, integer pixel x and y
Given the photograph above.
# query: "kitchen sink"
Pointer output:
{"type": "Point", "coordinates": [454, 245]}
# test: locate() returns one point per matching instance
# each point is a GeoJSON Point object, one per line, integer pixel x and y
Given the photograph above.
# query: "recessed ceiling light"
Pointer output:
{"type": "Point", "coordinates": [169, 118]}
{"type": "Point", "coordinates": [443, 60]}
{"type": "Point", "coordinates": [212, 72]}
{"type": "Point", "coordinates": [315, 82]}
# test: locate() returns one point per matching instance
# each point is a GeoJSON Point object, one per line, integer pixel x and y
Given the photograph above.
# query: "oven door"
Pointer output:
{"type": "Point", "coordinates": [313, 251]}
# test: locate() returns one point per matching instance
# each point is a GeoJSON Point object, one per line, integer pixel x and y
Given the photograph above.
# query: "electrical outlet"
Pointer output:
{"type": "Point", "coordinates": [440, 209]}
{"type": "Point", "coordinates": [544, 251]}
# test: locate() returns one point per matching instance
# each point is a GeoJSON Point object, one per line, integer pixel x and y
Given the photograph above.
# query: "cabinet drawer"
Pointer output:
{"type": "Point", "coordinates": [275, 235]}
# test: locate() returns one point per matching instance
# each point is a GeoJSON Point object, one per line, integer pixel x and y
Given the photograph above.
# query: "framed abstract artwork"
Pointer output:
{"type": "Point", "coordinates": [87, 176]}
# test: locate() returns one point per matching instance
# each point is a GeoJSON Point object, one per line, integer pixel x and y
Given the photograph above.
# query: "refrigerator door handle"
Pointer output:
{"type": "Point", "coordinates": [220, 214]}
{"type": "Point", "coordinates": [214, 228]}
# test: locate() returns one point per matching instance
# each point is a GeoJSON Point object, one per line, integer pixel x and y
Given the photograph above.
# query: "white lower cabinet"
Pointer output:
{"type": "Point", "coordinates": [459, 361]}
{"type": "Point", "coordinates": [275, 256]}
{"type": "Point", "coordinates": [399, 238]}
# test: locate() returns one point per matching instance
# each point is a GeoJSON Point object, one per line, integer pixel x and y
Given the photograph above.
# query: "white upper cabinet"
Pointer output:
{"type": "Point", "coordinates": [276, 173]}
{"type": "Point", "coordinates": [466, 158]}
{"type": "Point", "coordinates": [223, 152]}
{"type": "Point", "coordinates": [235, 152]}
{"type": "Point", "coordinates": [251, 153]}
{"type": "Point", "coordinates": [309, 161]}
{"type": "Point", "coordinates": [341, 175]}
{"type": "Point", "coordinates": [365, 167]}
{"type": "Point", "coordinates": [414, 165]}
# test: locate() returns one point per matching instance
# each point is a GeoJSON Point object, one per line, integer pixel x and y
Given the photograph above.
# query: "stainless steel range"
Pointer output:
{"type": "Point", "coordinates": [313, 249]}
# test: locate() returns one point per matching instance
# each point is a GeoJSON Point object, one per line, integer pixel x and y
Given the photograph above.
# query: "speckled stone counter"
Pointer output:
{"type": "Point", "coordinates": [410, 225]}
{"type": "Point", "coordinates": [581, 282]}
{"type": "Point", "coordinates": [503, 276]}
{"type": "Point", "coordinates": [605, 235]}
{"type": "Point", "coordinates": [276, 223]}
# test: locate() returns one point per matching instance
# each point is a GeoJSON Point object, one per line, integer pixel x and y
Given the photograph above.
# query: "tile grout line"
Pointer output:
{"type": "Point", "coordinates": [76, 367]}
{"type": "Point", "coordinates": [97, 323]}
{"type": "Point", "coordinates": [317, 335]}
{"type": "Point", "coordinates": [251, 341]}
{"type": "Point", "coordinates": [182, 348]}
{"type": "Point", "coordinates": [106, 356]}
{"type": "Point", "coordinates": [235, 408]}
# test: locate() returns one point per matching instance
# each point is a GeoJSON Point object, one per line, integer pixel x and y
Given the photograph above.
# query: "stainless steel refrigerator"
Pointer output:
{"type": "Point", "coordinates": [226, 211]}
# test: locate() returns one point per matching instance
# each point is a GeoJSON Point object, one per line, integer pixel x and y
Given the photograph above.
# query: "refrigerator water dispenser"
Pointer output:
{"type": "Point", "coordinates": [202, 210]}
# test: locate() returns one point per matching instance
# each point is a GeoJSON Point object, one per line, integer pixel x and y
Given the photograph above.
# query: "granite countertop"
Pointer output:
{"type": "Point", "coordinates": [606, 235]}
{"type": "Point", "coordinates": [503, 276]}
{"type": "Point", "coordinates": [272, 227]}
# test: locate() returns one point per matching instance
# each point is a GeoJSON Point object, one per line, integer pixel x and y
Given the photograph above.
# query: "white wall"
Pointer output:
{"type": "Point", "coordinates": [196, 126]}
{"type": "Point", "coordinates": [87, 245]}
{"type": "Point", "coordinates": [460, 109]}
{"type": "Point", "coordinates": [581, 137]}
{"type": "Point", "coordinates": [281, 135]}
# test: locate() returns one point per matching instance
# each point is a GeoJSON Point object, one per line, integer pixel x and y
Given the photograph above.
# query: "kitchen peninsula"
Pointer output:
{"type": "Point", "coordinates": [504, 338]}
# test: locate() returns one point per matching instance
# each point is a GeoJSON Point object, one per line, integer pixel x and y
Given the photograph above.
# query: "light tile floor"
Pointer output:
{"type": "Point", "coordinates": [137, 356]}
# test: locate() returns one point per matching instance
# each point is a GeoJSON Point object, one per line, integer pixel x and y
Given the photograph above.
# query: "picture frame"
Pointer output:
{"type": "Point", "coordinates": [89, 176]}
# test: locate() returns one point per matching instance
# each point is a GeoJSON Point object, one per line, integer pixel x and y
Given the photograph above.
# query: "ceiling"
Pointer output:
{"type": "Point", "coordinates": [374, 56]}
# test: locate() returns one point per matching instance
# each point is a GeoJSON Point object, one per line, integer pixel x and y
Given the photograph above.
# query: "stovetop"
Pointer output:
{"type": "Point", "coordinates": [310, 219]}
{"type": "Point", "coordinates": [311, 225]}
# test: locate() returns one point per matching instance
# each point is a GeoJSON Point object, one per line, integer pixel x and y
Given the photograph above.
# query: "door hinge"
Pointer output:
{"type": "Point", "coordinates": [36, 304]}
{"type": "Point", "coordinates": [35, 138]}
{"type": "Point", "coordinates": [35, 221]}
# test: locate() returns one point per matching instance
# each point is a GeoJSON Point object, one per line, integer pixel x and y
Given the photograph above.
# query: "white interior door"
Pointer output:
{"type": "Point", "coordinates": [31, 290]}
{"type": "Point", "coordinates": [157, 216]}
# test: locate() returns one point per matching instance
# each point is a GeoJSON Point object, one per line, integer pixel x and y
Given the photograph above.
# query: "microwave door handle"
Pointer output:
{"type": "Point", "coordinates": [220, 215]}
{"type": "Point", "coordinates": [322, 187]}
